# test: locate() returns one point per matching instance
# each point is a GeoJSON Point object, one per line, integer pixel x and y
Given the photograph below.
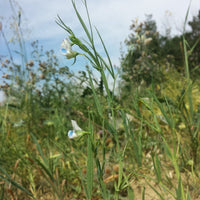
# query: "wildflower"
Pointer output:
{"type": "Point", "coordinates": [77, 131]}
{"type": "Point", "coordinates": [66, 49]}
{"type": "Point", "coordinates": [72, 134]}
{"type": "Point", "coordinates": [75, 126]}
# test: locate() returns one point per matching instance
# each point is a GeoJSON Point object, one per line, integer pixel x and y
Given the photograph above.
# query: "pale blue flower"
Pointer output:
{"type": "Point", "coordinates": [75, 126]}
{"type": "Point", "coordinates": [66, 49]}
{"type": "Point", "coordinates": [77, 131]}
{"type": "Point", "coordinates": [72, 134]}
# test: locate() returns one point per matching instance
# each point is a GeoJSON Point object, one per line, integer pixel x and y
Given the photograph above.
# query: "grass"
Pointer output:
{"type": "Point", "coordinates": [146, 150]}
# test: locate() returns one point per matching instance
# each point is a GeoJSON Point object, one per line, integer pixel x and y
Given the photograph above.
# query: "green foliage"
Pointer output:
{"type": "Point", "coordinates": [149, 53]}
{"type": "Point", "coordinates": [192, 37]}
{"type": "Point", "coordinates": [141, 62]}
{"type": "Point", "coordinates": [146, 143]}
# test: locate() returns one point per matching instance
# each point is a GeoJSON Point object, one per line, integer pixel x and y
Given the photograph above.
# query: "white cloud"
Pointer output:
{"type": "Point", "coordinates": [111, 17]}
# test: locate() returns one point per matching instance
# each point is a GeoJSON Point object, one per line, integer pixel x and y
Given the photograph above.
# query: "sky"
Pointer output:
{"type": "Point", "coordinates": [111, 17]}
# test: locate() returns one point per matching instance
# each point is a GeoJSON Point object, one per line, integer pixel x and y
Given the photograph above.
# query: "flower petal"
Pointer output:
{"type": "Point", "coordinates": [66, 44]}
{"type": "Point", "coordinates": [75, 126]}
{"type": "Point", "coordinates": [63, 51]}
{"type": "Point", "coordinates": [65, 47]}
{"type": "Point", "coordinates": [72, 134]}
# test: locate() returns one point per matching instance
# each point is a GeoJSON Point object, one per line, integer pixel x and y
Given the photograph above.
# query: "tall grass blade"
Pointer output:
{"type": "Point", "coordinates": [188, 197]}
{"type": "Point", "coordinates": [136, 149]}
{"type": "Point", "coordinates": [156, 164]}
{"type": "Point", "coordinates": [109, 60]}
{"type": "Point", "coordinates": [89, 174]}
{"type": "Point", "coordinates": [97, 102]}
{"type": "Point", "coordinates": [82, 23]}
{"type": "Point", "coordinates": [17, 185]}
{"type": "Point", "coordinates": [60, 22]}
{"type": "Point", "coordinates": [180, 192]}
{"type": "Point", "coordinates": [189, 85]}
{"type": "Point", "coordinates": [143, 193]}
{"type": "Point", "coordinates": [39, 149]}
{"type": "Point", "coordinates": [156, 191]}
{"type": "Point", "coordinates": [186, 16]}
{"type": "Point", "coordinates": [130, 194]}
{"type": "Point", "coordinates": [169, 121]}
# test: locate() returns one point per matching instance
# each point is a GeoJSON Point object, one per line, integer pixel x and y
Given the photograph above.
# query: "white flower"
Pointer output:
{"type": "Point", "coordinates": [77, 131]}
{"type": "Point", "coordinates": [75, 126]}
{"type": "Point", "coordinates": [72, 134]}
{"type": "Point", "coordinates": [66, 49]}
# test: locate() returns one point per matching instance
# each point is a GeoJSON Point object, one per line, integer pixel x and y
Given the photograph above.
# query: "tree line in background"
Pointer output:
{"type": "Point", "coordinates": [149, 52]}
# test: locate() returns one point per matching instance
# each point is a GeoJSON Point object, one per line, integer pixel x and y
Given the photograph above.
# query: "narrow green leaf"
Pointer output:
{"type": "Point", "coordinates": [143, 193]}
{"type": "Point", "coordinates": [169, 121]}
{"type": "Point", "coordinates": [82, 22]}
{"type": "Point", "coordinates": [156, 191]}
{"type": "Point", "coordinates": [46, 169]}
{"type": "Point", "coordinates": [60, 22]}
{"type": "Point", "coordinates": [89, 167]}
{"type": "Point", "coordinates": [180, 192]}
{"type": "Point", "coordinates": [130, 194]}
{"type": "Point", "coordinates": [186, 17]}
{"type": "Point", "coordinates": [136, 149]}
{"type": "Point", "coordinates": [9, 180]}
{"type": "Point", "coordinates": [156, 165]}
{"type": "Point", "coordinates": [39, 148]}
{"type": "Point", "coordinates": [188, 197]}
{"type": "Point", "coordinates": [107, 54]}
{"type": "Point", "coordinates": [99, 108]}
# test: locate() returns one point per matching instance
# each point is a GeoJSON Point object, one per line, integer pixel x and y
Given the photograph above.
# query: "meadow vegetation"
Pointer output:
{"type": "Point", "coordinates": [135, 139]}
